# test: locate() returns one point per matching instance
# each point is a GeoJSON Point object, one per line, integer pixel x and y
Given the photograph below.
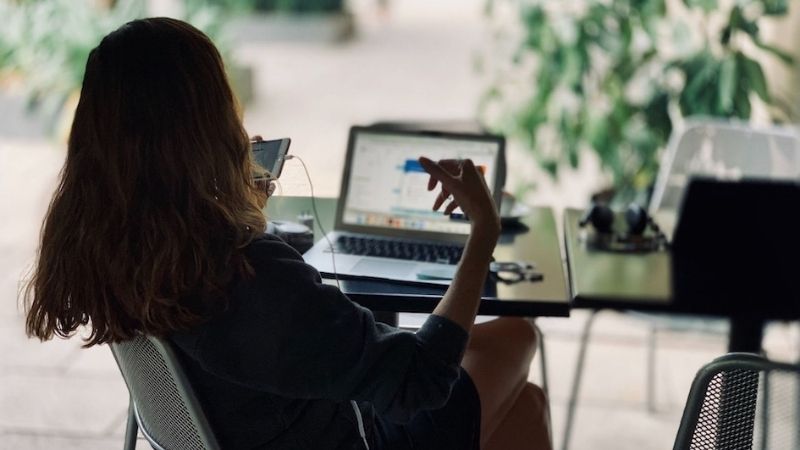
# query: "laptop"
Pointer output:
{"type": "Point", "coordinates": [385, 228]}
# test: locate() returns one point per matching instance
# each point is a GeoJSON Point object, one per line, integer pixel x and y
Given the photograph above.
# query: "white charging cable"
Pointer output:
{"type": "Point", "coordinates": [316, 217]}
{"type": "Point", "coordinates": [360, 421]}
{"type": "Point", "coordinates": [356, 409]}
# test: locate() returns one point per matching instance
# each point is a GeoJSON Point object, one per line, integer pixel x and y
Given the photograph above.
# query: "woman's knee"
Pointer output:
{"type": "Point", "coordinates": [504, 347]}
{"type": "Point", "coordinates": [517, 331]}
{"type": "Point", "coordinates": [535, 395]}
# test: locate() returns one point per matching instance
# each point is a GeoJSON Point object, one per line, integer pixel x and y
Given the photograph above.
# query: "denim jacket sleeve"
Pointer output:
{"type": "Point", "coordinates": [288, 333]}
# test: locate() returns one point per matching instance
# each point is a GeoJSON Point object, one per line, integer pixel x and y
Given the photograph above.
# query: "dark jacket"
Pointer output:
{"type": "Point", "coordinates": [277, 369]}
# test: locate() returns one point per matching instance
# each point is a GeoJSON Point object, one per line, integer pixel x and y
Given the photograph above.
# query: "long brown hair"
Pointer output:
{"type": "Point", "coordinates": [156, 200]}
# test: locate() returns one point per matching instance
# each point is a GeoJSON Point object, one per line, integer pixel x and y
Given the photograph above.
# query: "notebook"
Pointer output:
{"type": "Point", "coordinates": [385, 228]}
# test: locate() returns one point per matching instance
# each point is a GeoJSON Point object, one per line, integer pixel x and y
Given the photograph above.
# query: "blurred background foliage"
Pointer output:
{"type": "Point", "coordinates": [284, 6]}
{"type": "Point", "coordinates": [608, 76]}
{"type": "Point", "coordinates": [44, 44]}
{"type": "Point", "coordinates": [615, 77]}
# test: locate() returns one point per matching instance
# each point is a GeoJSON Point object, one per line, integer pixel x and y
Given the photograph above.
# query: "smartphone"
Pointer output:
{"type": "Point", "coordinates": [271, 155]}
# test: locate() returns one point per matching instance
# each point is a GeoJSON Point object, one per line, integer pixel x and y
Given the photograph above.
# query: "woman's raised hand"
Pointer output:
{"type": "Point", "coordinates": [465, 182]}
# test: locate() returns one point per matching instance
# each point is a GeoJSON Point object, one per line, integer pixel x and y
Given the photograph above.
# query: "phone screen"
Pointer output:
{"type": "Point", "coordinates": [270, 155]}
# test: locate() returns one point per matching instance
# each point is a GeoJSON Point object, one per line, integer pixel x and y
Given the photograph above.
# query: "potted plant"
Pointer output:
{"type": "Point", "coordinates": [291, 20]}
{"type": "Point", "coordinates": [44, 46]}
{"type": "Point", "coordinates": [614, 77]}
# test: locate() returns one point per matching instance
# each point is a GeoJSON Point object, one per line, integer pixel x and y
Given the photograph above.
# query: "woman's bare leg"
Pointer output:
{"type": "Point", "coordinates": [525, 426]}
{"type": "Point", "coordinates": [498, 360]}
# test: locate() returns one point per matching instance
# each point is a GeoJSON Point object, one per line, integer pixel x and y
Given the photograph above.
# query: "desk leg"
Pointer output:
{"type": "Point", "coordinates": [737, 407]}
{"type": "Point", "coordinates": [572, 402]}
{"type": "Point", "coordinates": [132, 428]}
{"type": "Point", "coordinates": [387, 317]}
{"type": "Point", "coordinates": [746, 334]}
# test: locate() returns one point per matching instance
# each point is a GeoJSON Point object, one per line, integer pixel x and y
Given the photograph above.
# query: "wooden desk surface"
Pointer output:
{"type": "Point", "coordinates": [649, 281]}
{"type": "Point", "coordinates": [615, 280]}
{"type": "Point", "coordinates": [536, 240]}
{"type": "Point", "coordinates": [644, 282]}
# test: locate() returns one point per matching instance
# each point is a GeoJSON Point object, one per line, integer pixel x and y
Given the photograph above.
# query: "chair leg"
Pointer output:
{"type": "Point", "coordinates": [576, 380]}
{"type": "Point", "coordinates": [651, 369]}
{"type": "Point", "coordinates": [543, 368]}
{"type": "Point", "coordinates": [542, 360]}
{"type": "Point", "coordinates": [131, 429]}
{"type": "Point", "coordinates": [765, 402]}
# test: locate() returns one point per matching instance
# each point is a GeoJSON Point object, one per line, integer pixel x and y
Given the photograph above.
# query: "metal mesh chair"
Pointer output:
{"type": "Point", "coordinates": [163, 404]}
{"type": "Point", "coordinates": [742, 401]}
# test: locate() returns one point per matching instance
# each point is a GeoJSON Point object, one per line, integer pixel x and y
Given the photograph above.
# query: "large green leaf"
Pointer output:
{"type": "Point", "coordinates": [701, 72]}
{"type": "Point", "coordinates": [597, 133]}
{"type": "Point", "coordinates": [706, 5]}
{"type": "Point", "coordinates": [781, 54]}
{"type": "Point", "coordinates": [751, 71]}
{"type": "Point", "coordinates": [775, 7]}
{"type": "Point", "coordinates": [535, 21]}
{"type": "Point", "coordinates": [727, 84]}
{"type": "Point", "coordinates": [656, 116]}
{"type": "Point", "coordinates": [738, 21]}
{"type": "Point", "coordinates": [743, 107]}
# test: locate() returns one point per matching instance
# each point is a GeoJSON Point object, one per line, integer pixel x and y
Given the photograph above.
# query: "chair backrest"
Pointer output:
{"type": "Point", "coordinates": [742, 401]}
{"type": "Point", "coordinates": [166, 408]}
{"type": "Point", "coordinates": [722, 150]}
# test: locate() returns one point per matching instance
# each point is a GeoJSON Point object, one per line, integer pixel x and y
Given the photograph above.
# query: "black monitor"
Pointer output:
{"type": "Point", "coordinates": [736, 248]}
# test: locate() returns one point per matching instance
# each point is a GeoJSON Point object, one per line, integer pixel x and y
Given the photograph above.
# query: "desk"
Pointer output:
{"type": "Point", "coordinates": [536, 239]}
{"type": "Point", "coordinates": [643, 282]}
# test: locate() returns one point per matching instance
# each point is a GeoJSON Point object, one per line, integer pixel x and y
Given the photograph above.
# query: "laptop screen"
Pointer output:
{"type": "Point", "coordinates": [386, 187]}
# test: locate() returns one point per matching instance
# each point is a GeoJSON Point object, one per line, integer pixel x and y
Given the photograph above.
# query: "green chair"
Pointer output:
{"type": "Point", "coordinates": [163, 404]}
{"type": "Point", "coordinates": [742, 401]}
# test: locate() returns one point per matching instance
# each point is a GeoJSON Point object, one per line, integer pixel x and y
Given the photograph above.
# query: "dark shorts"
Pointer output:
{"type": "Point", "coordinates": [455, 426]}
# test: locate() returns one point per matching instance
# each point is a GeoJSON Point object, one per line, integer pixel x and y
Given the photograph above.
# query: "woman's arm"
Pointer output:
{"type": "Point", "coordinates": [287, 333]}
{"type": "Point", "coordinates": [466, 184]}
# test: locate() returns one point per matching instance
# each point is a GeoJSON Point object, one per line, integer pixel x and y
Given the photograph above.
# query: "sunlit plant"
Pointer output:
{"type": "Point", "coordinates": [614, 76]}
{"type": "Point", "coordinates": [44, 44]}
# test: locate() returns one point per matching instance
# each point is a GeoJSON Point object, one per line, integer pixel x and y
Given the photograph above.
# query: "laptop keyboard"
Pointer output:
{"type": "Point", "coordinates": [399, 249]}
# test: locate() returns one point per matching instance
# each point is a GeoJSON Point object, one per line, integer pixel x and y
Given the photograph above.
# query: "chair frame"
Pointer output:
{"type": "Point", "coordinates": [697, 393]}
{"type": "Point", "coordinates": [580, 362]}
{"type": "Point", "coordinates": [135, 423]}
{"type": "Point", "coordinates": [195, 410]}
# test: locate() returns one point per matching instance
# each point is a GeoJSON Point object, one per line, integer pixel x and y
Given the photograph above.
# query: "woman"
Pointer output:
{"type": "Point", "coordinates": [156, 227]}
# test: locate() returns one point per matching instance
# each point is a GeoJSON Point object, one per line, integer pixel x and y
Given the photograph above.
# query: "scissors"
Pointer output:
{"type": "Point", "coordinates": [510, 272]}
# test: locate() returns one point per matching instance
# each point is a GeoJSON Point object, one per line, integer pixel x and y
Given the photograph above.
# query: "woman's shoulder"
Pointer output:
{"type": "Point", "coordinates": [267, 248]}
{"type": "Point", "coordinates": [274, 260]}
{"type": "Point", "coordinates": [278, 275]}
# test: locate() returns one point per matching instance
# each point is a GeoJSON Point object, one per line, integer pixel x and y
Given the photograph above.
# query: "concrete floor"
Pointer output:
{"type": "Point", "coordinates": [415, 63]}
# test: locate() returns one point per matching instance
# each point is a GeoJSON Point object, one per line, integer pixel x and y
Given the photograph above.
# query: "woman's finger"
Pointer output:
{"type": "Point", "coordinates": [257, 138]}
{"type": "Point", "coordinates": [443, 195]}
{"type": "Point", "coordinates": [431, 183]}
{"type": "Point", "coordinates": [452, 166]}
{"type": "Point", "coordinates": [477, 171]}
{"type": "Point", "coordinates": [435, 170]}
{"type": "Point", "coordinates": [451, 207]}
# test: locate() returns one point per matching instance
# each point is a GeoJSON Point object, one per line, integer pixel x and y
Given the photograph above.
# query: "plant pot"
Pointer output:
{"type": "Point", "coordinates": [241, 79]}
{"type": "Point", "coordinates": [18, 120]}
{"type": "Point", "coordinates": [284, 27]}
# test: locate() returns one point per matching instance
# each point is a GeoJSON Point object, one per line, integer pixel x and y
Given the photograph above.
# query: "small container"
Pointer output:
{"type": "Point", "coordinates": [307, 219]}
